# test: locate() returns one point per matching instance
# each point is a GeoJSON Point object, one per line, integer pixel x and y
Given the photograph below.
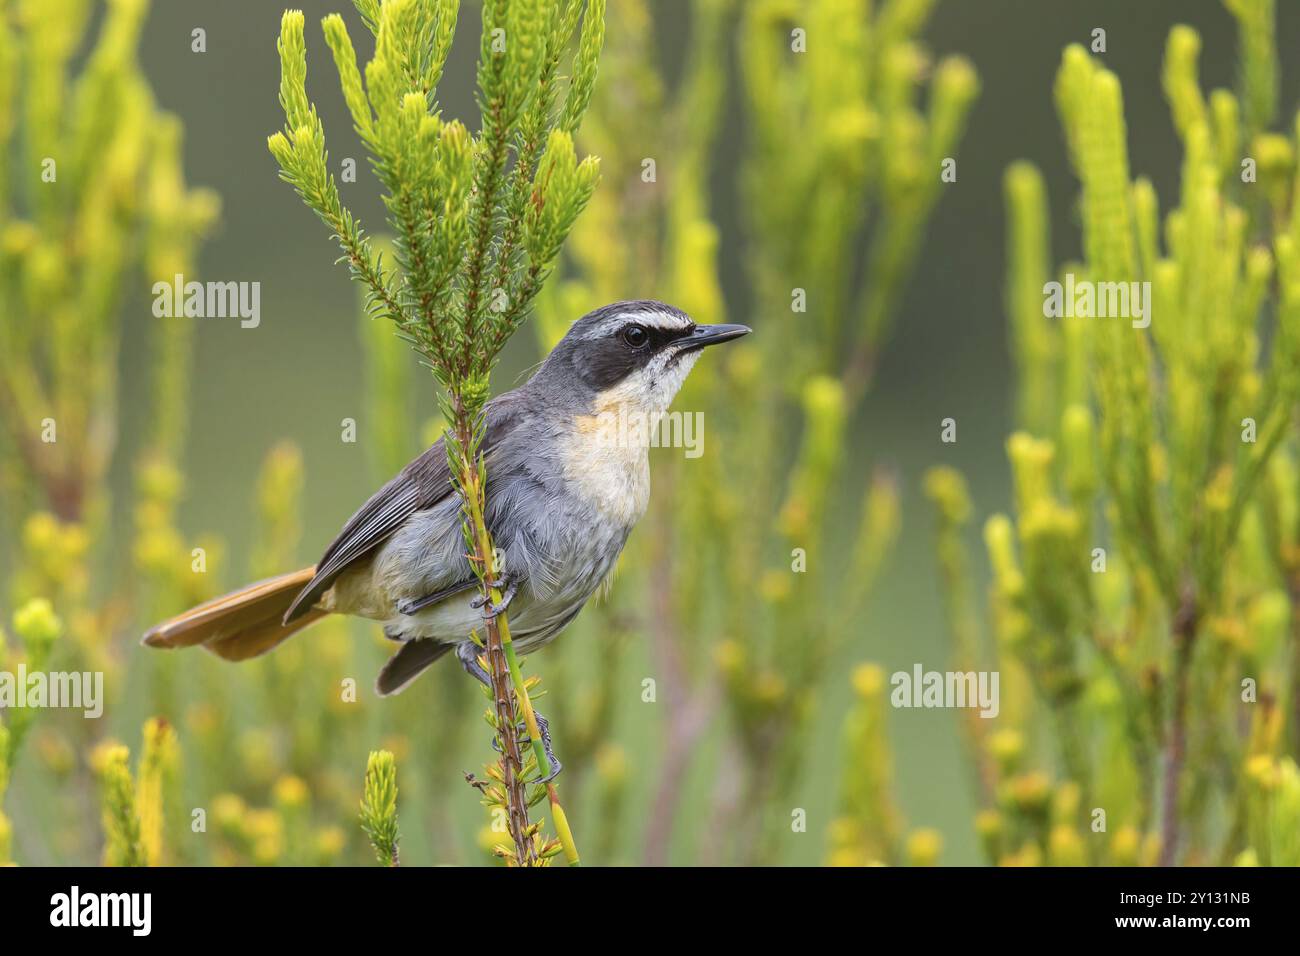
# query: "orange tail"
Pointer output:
{"type": "Point", "coordinates": [242, 624]}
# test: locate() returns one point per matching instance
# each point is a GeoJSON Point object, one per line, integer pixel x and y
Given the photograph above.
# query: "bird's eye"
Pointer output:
{"type": "Point", "coordinates": [635, 336]}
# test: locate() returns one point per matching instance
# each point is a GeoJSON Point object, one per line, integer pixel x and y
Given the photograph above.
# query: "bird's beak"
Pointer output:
{"type": "Point", "coordinates": [711, 335]}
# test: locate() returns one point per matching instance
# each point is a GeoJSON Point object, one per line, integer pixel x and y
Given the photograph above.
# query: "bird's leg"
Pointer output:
{"type": "Point", "coordinates": [509, 587]}
{"type": "Point", "coordinates": [467, 654]}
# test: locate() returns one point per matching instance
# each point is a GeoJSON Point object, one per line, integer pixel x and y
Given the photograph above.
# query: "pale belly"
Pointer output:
{"type": "Point", "coordinates": [372, 587]}
{"type": "Point", "coordinates": [559, 552]}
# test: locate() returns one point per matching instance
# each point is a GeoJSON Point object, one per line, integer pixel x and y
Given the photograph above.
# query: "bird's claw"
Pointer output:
{"type": "Point", "coordinates": [556, 767]}
{"type": "Point", "coordinates": [521, 737]}
{"type": "Point", "coordinates": [490, 611]}
{"type": "Point", "coordinates": [543, 728]}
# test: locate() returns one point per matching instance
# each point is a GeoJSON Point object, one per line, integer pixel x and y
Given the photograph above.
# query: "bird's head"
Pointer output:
{"type": "Point", "coordinates": [636, 353]}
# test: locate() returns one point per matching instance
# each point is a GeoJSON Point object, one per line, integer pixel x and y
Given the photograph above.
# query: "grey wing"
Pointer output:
{"type": "Point", "coordinates": [419, 486]}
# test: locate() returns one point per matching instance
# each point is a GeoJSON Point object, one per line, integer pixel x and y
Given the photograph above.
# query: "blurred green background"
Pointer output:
{"type": "Point", "coordinates": [300, 373]}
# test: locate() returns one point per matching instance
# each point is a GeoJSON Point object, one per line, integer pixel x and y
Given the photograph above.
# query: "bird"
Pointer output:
{"type": "Point", "coordinates": [565, 488]}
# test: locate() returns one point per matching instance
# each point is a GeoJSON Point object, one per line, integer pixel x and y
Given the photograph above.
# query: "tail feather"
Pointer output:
{"type": "Point", "coordinates": [408, 664]}
{"type": "Point", "coordinates": [241, 624]}
{"type": "Point", "coordinates": [261, 638]}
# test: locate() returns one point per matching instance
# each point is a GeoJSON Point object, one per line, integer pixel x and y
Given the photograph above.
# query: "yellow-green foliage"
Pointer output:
{"type": "Point", "coordinates": [874, 119]}
{"type": "Point", "coordinates": [277, 835]}
{"type": "Point", "coordinates": [1144, 588]}
{"type": "Point", "coordinates": [92, 204]}
{"type": "Point", "coordinates": [866, 830]}
{"type": "Point", "coordinates": [37, 628]}
{"type": "Point", "coordinates": [145, 823]}
{"type": "Point", "coordinates": [1274, 816]}
{"type": "Point", "coordinates": [379, 806]}
{"type": "Point", "coordinates": [6, 827]}
{"type": "Point", "coordinates": [93, 198]}
{"type": "Point", "coordinates": [122, 845]}
{"type": "Point", "coordinates": [447, 189]}
{"type": "Point", "coordinates": [136, 811]}
{"type": "Point", "coordinates": [159, 767]}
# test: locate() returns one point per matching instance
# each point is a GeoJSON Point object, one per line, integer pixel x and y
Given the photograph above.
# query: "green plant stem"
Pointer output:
{"type": "Point", "coordinates": [506, 676]}
{"type": "Point", "coordinates": [539, 748]}
{"type": "Point", "coordinates": [1184, 634]}
{"type": "Point", "coordinates": [498, 672]}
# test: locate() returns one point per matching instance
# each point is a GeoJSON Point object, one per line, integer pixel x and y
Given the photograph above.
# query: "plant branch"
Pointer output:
{"type": "Point", "coordinates": [1184, 636]}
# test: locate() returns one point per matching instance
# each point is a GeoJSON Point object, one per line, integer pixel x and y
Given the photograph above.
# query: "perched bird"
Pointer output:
{"type": "Point", "coordinates": [564, 491]}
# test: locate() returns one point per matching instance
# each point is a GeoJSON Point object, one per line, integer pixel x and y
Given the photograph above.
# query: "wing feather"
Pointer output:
{"type": "Point", "coordinates": [419, 486]}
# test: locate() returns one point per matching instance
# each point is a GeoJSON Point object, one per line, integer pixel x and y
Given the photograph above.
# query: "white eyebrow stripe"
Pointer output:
{"type": "Point", "coordinates": [663, 320]}
{"type": "Point", "coordinates": [653, 320]}
{"type": "Point", "coordinates": [605, 328]}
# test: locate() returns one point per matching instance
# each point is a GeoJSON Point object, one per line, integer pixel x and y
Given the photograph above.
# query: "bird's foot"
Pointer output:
{"type": "Point", "coordinates": [544, 728]}
{"type": "Point", "coordinates": [467, 653]}
{"type": "Point", "coordinates": [490, 611]}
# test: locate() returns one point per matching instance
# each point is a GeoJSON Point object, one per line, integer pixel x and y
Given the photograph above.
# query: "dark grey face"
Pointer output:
{"type": "Point", "coordinates": [612, 354]}
{"type": "Point", "coordinates": [604, 347]}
